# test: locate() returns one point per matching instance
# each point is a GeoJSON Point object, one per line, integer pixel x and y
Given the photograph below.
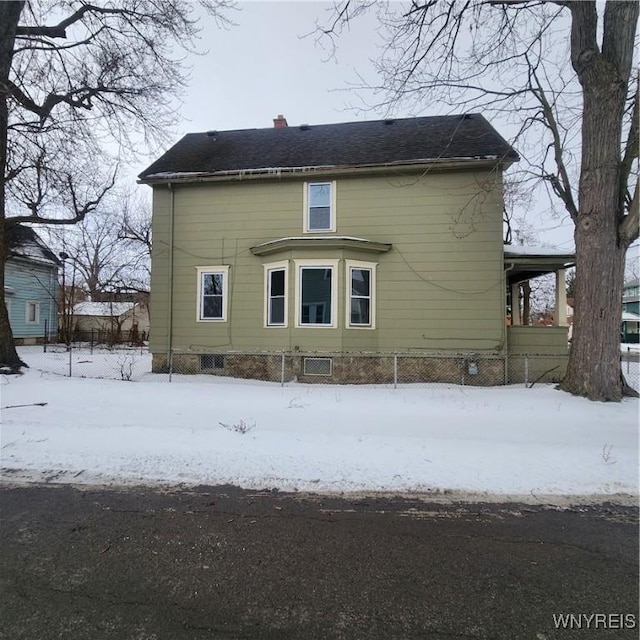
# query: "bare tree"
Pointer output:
{"type": "Point", "coordinates": [102, 261]}
{"type": "Point", "coordinates": [562, 72]}
{"type": "Point", "coordinates": [136, 232]}
{"type": "Point", "coordinates": [74, 76]}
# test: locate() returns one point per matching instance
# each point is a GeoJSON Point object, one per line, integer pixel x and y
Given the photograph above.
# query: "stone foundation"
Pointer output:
{"type": "Point", "coordinates": [345, 369]}
{"type": "Point", "coordinates": [19, 342]}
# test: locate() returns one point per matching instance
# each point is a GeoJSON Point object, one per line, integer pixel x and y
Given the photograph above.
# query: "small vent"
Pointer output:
{"type": "Point", "coordinates": [317, 366]}
{"type": "Point", "coordinates": [211, 361]}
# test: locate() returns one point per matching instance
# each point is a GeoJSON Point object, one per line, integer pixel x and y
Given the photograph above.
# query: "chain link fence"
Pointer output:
{"type": "Point", "coordinates": [391, 369]}
{"type": "Point", "coordinates": [88, 361]}
{"type": "Point", "coordinates": [84, 360]}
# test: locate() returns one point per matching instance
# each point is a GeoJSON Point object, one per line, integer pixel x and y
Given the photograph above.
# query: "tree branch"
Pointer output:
{"type": "Point", "coordinates": [562, 185]}
{"type": "Point", "coordinates": [80, 210]}
{"type": "Point", "coordinates": [631, 148]}
{"type": "Point", "coordinates": [60, 30]}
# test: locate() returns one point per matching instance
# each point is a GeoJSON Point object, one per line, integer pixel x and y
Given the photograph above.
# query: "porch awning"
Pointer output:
{"type": "Point", "coordinates": [524, 263]}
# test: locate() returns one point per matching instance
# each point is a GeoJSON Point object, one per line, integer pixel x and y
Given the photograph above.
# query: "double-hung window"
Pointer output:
{"type": "Point", "coordinates": [360, 294]}
{"type": "Point", "coordinates": [212, 293]}
{"type": "Point", "coordinates": [32, 312]}
{"type": "Point", "coordinates": [319, 205]}
{"type": "Point", "coordinates": [316, 293]}
{"type": "Point", "coordinates": [276, 287]}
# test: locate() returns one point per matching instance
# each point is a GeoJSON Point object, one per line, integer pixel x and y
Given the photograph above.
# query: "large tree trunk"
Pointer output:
{"type": "Point", "coordinates": [594, 367]}
{"type": "Point", "coordinates": [9, 16]}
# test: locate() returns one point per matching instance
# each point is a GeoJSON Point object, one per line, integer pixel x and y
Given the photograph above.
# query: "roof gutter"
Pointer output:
{"type": "Point", "coordinates": [437, 164]}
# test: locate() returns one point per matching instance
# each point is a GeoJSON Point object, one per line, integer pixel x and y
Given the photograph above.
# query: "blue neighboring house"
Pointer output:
{"type": "Point", "coordinates": [31, 286]}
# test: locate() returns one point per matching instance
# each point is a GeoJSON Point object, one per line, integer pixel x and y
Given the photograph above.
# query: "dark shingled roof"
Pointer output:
{"type": "Point", "coordinates": [348, 144]}
{"type": "Point", "coordinates": [24, 242]}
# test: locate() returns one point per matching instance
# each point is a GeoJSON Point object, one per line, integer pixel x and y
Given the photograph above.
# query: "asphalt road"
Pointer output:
{"type": "Point", "coordinates": [221, 563]}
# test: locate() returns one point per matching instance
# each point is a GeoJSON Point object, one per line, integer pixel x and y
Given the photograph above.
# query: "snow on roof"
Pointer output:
{"type": "Point", "coordinates": [109, 309]}
{"type": "Point", "coordinates": [627, 316]}
{"type": "Point", "coordinates": [25, 243]}
{"type": "Point", "coordinates": [287, 238]}
{"type": "Point", "coordinates": [519, 250]}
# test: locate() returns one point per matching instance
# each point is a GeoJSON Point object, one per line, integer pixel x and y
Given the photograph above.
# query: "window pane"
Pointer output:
{"type": "Point", "coordinates": [320, 218]}
{"type": "Point", "coordinates": [212, 307]}
{"type": "Point", "coordinates": [316, 295]}
{"type": "Point", "coordinates": [360, 279]}
{"type": "Point", "coordinates": [360, 311]}
{"type": "Point", "coordinates": [319, 195]}
{"type": "Point", "coordinates": [277, 282]}
{"type": "Point", "coordinates": [276, 311]}
{"type": "Point", "coordinates": [212, 284]}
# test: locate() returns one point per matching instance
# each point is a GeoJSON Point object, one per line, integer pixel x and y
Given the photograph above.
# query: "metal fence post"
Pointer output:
{"type": "Point", "coordinates": [526, 371]}
{"type": "Point", "coordinates": [170, 364]}
{"type": "Point", "coordinates": [282, 370]}
{"type": "Point", "coordinates": [91, 344]}
{"type": "Point", "coordinates": [395, 370]}
{"type": "Point", "coordinates": [46, 334]}
{"type": "Point", "coordinates": [70, 359]}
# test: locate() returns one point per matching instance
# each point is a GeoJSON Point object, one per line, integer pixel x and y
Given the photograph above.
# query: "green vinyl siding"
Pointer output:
{"type": "Point", "coordinates": [440, 287]}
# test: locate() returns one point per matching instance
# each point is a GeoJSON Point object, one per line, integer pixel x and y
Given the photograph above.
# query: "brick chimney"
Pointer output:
{"type": "Point", "coordinates": [280, 122]}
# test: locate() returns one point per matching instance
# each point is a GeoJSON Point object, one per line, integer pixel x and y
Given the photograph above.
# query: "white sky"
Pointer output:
{"type": "Point", "coordinates": [264, 66]}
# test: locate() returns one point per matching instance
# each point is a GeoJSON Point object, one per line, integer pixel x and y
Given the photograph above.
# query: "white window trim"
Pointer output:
{"type": "Point", "coordinates": [276, 266]}
{"type": "Point", "coordinates": [26, 312]}
{"type": "Point", "coordinates": [371, 266]}
{"type": "Point", "coordinates": [305, 207]}
{"type": "Point", "coordinates": [224, 270]}
{"type": "Point", "coordinates": [327, 264]}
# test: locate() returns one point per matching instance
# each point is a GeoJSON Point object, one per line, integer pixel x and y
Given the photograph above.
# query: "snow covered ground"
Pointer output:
{"type": "Point", "coordinates": [438, 439]}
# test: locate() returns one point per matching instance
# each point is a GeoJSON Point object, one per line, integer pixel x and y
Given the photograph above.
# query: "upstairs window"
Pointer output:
{"type": "Point", "coordinates": [319, 207]}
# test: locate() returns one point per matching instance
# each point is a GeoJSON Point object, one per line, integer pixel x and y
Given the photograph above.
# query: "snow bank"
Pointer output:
{"type": "Point", "coordinates": [418, 438]}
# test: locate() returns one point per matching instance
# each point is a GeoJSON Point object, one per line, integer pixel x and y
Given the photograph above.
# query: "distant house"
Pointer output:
{"type": "Point", "coordinates": [110, 322]}
{"type": "Point", "coordinates": [31, 286]}
{"type": "Point", "coordinates": [335, 243]}
{"type": "Point", "coordinates": [631, 296]}
{"type": "Point", "coordinates": [630, 329]}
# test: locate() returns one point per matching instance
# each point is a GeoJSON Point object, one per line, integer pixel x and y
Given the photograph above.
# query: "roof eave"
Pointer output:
{"type": "Point", "coordinates": [280, 172]}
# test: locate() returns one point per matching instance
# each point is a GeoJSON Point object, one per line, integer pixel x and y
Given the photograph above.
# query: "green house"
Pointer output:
{"type": "Point", "coordinates": [335, 244]}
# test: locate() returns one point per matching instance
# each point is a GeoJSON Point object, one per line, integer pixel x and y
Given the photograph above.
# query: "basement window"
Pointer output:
{"type": "Point", "coordinates": [317, 366]}
{"type": "Point", "coordinates": [210, 361]}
